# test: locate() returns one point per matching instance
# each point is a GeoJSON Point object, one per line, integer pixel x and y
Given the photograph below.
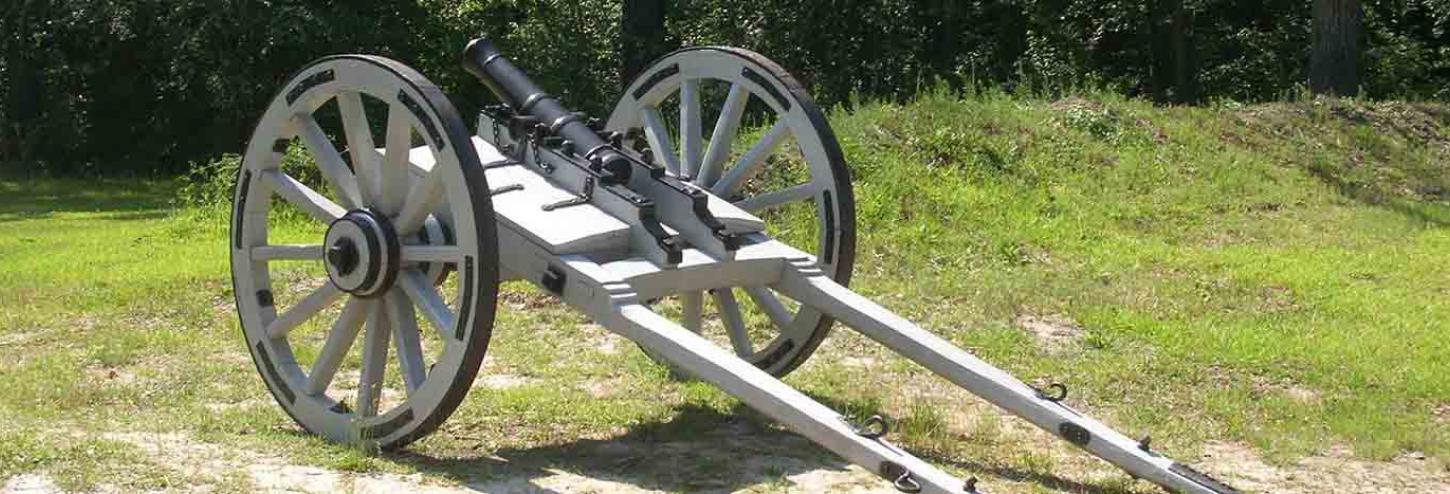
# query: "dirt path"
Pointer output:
{"type": "Point", "coordinates": [606, 467]}
{"type": "Point", "coordinates": [1335, 471]}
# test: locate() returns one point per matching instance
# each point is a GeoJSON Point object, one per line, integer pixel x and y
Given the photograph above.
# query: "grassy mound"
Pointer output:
{"type": "Point", "coordinates": [1272, 273]}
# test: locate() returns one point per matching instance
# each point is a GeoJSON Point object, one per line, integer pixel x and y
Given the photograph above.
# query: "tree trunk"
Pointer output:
{"type": "Point", "coordinates": [1185, 84]}
{"type": "Point", "coordinates": [642, 36]}
{"type": "Point", "coordinates": [1009, 31]}
{"type": "Point", "coordinates": [22, 96]}
{"type": "Point", "coordinates": [1334, 59]}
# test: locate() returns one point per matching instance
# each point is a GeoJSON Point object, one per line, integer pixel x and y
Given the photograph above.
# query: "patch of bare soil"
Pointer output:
{"type": "Point", "coordinates": [1288, 389]}
{"type": "Point", "coordinates": [1054, 333]}
{"type": "Point", "coordinates": [495, 375]}
{"type": "Point", "coordinates": [734, 459]}
{"type": "Point", "coordinates": [29, 483]}
{"type": "Point", "coordinates": [604, 387]}
{"type": "Point", "coordinates": [504, 381]}
{"type": "Point", "coordinates": [854, 480]}
{"type": "Point", "coordinates": [209, 466]}
{"type": "Point", "coordinates": [809, 480]}
{"type": "Point", "coordinates": [557, 481]}
{"type": "Point", "coordinates": [765, 461]}
{"type": "Point", "coordinates": [608, 343]}
{"type": "Point", "coordinates": [1334, 471]}
{"type": "Point", "coordinates": [15, 338]}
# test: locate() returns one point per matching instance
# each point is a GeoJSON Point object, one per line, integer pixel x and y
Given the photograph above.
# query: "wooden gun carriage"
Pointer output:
{"type": "Point", "coordinates": [425, 218]}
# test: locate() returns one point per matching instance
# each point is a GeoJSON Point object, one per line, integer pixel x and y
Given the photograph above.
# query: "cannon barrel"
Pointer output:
{"type": "Point", "coordinates": [515, 89]}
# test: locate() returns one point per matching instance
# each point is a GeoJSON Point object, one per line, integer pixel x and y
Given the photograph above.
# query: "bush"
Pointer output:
{"type": "Point", "coordinates": [210, 184]}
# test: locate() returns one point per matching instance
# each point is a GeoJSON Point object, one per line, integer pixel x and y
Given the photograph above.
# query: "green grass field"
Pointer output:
{"type": "Point", "coordinates": [1274, 276]}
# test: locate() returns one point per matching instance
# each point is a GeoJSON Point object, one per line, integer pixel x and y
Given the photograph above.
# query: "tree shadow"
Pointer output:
{"type": "Point", "coordinates": [697, 449]}
{"type": "Point", "coordinates": [1428, 213]}
{"type": "Point", "coordinates": [116, 199]}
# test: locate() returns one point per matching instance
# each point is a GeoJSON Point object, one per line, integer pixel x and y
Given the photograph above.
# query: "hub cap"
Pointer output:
{"type": "Point", "coordinates": [362, 253]}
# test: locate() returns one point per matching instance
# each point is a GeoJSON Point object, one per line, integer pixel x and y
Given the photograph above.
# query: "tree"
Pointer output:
{"type": "Point", "coordinates": [1185, 89]}
{"type": "Point", "coordinates": [1334, 58]}
{"type": "Point", "coordinates": [642, 33]}
{"type": "Point", "coordinates": [20, 85]}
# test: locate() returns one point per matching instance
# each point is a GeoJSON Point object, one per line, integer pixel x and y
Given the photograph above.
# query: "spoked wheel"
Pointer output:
{"type": "Point", "coordinates": [359, 330]}
{"type": "Point", "coordinates": [770, 152]}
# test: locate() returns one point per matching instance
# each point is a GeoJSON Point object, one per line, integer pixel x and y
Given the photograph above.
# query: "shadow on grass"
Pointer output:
{"type": "Point", "coordinates": [1045, 480]}
{"type": "Point", "coordinates": [698, 449]}
{"type": "Point", "coordinates": [117, 199]}
{"type": "Point", "coordinates": [1429, 213]}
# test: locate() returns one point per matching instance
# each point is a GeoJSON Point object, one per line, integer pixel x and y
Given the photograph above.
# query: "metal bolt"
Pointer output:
{"type": "Point", "coordinates": [342, 255]}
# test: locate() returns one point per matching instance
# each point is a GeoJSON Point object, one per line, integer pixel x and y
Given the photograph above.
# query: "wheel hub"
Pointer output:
{"type": "Point", "coordinates": [363, 254]}
{"type": "Point", "coordinates": [435, 232]}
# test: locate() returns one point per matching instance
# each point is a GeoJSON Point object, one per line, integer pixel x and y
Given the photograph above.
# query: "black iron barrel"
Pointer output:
{"type": "Point", "coordinates": [515, 89]}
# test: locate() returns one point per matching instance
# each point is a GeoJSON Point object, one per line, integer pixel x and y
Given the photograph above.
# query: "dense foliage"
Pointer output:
{"type": "Point", "coordinates": [145, 86]}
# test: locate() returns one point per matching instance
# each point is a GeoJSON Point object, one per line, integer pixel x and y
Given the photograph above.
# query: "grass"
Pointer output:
{"type": "Point", "coordinates": [1273, 275]}
{"type": "Point", "coordinates": [1217, 256]}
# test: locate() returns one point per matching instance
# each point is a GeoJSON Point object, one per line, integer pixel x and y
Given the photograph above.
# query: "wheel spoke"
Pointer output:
{"type": "Point", "coordinates": [771, 305]}
{"type": "Point", "coordinates": [690, 131]}
{"type": "Point", "coordinates": [778, 198]}
{"type": "Point", "coordinates": [306, 308]}
{"type": "Point", "coordinates": [723, 136]}
{"type": "Point", "coordinates": [435, 309]}
{"type": "Point", "coordinates": [431, 253]}
{"type": "Point", "coordinates": [287, 252]}
{"type": "Point", "coordinates": [334, 170]}
{"type": "Point", "coordinates": [360, 145]}
{"type": "Point", "coordinates": [374, 361]}
{"type": "Point", "coordinates": [303, 197]}
{"type": "Point", "coordinates": [395, 171]}
{"type": "Point", "coordinates": [406, 340]}
{"type": "Point", "coordinates": [734, 321]}
{"type": "Point", "coordinates": [692, 304]}
{"type": "Point", "coordinates": [420, 202]}
{"type": "Point", "coordinates": [751, 162]}
{"type": "Point", "coordinates": [736, 159]}
{"type": "Point", "coordinates": [339, 340]}
{"type": "Point", "coordinates": [659, 139]}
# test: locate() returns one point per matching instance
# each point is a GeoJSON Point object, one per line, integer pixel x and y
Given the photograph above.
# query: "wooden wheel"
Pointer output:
{"type": "Point", "coordinates": [336, 323]}
{"type": "Point", "coordinates": [770, 152]}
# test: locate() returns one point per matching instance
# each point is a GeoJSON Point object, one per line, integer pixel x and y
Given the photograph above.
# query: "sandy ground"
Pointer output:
{"type": "Point", "coordinates": [604, 468]}
{"type": "Point", "coordinates": [740, 458]}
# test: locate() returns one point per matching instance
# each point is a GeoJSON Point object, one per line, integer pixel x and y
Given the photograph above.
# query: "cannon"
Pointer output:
{"type": "Point", "coordinates": [411, 221]}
